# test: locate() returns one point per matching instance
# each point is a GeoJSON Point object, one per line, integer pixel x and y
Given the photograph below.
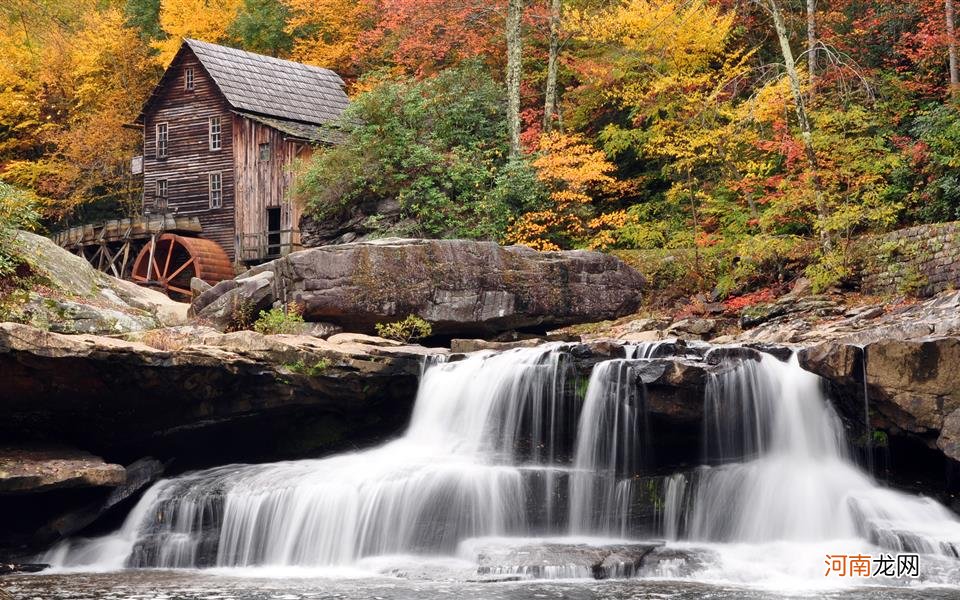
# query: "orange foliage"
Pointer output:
{"type": "Point", "coordinates": [576, 173]}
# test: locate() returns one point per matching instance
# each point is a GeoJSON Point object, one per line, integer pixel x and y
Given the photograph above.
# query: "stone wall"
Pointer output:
{"type": "Point", "coordinates": [917, 261]}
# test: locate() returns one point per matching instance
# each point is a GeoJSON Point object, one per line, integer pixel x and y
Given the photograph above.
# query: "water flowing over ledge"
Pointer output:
{"type": "Point", "coordinates": [503, 450]}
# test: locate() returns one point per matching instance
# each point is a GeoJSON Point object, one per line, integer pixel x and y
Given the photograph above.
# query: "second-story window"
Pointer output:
{"type": "Point", "coordinates": [188, 78]}
{"type": "Point", "coordinates": [163, 138]}
{"type": "Point", "coordinates": [216, 190]}
{"type": "Point", "coordinates": [215, 133]}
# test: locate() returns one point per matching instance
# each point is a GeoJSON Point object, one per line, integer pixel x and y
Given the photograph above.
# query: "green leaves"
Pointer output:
{"type": "Point", "coordinates": [437, 145]}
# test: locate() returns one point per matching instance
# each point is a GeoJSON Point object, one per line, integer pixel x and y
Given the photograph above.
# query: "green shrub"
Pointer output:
{"type": "Point", "coordinates": [435, 145]}
{"type": "Point", "coordinates": [18, 210]}
{"type": "Point", "coordinates": [313, 370]}
{"type": "Point", "coordinates": [408, 330]}
{"type": "Point", "coordinates": [280, 320]}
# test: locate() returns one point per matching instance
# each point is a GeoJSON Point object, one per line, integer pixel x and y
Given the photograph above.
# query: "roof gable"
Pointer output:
{"type": "Point", "coordinates": [267, 86]}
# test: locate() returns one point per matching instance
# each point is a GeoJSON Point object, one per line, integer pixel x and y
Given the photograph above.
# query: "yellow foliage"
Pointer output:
{"type": "Point", "coordinates": [205, 20]}
{"type": "Point", "coordinates": [678, 35]}
{"type": "Point", "coordinates": [73, 74]}
{"type": "Point", "coordinates": [569, 164]}
{"type": "Point", "coordinates": [328, 31]}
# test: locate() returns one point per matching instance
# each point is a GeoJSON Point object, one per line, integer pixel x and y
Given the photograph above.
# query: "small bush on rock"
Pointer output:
{"type": "Point", "coordinates": [280, 320]}
{"type": "Point", "coordinates": [241, 316]}
{"type": "Point", "coordinates": [408, 330]}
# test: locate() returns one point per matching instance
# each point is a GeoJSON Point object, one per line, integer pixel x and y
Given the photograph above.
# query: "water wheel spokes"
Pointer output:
{"type": "Point", "coordinates": [169, 261]}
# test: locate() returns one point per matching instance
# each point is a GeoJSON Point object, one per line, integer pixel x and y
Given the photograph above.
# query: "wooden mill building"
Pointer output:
{"type": "Point", "coordinates": [221, 131]}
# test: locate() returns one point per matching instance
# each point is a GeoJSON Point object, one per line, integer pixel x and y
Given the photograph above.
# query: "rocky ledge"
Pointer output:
{"type": "Point", "coordinates": [206, 397]}
{"type": "Point", "coordinates": [192, 391]}
{"type": "Point", "coordinates": [907, 386]}
{"type": "Point", "coordinates": [461, 287]}
{"type": "Point", "coordinates": [41, 469]}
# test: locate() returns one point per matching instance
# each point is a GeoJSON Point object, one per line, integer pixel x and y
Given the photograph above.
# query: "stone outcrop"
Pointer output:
{"type": "Point", "coordinates": [462, 287]}
{"type": "Point", "coordinates": [913, 385]}
{"type": "Point", "coordinates": [33, 469]}
{"type": "Point", "coordinates": [201, 395]}
{"type": "Point", "coordinates": [50, 492]}
{"type": "Point", "coordinates": [76, 298]}
{"type": "Point", "coordinates": [364, 220]}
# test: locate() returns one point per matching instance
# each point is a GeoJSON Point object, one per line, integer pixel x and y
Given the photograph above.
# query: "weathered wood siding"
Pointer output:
{"type": "Point", "coordinates": [189, 159]}
{"type": "Point", "coordinates": [263, 184]}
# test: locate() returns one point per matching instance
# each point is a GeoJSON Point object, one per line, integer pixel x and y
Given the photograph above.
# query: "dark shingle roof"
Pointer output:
{"type": "Point", "coordinates": [272, 86]}
{"type": "Point", "coordinates": [300, 131]}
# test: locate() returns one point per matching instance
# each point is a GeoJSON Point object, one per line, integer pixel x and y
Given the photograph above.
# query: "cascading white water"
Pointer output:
{"type": "Point", "coordinates": [784, 474]}
{"type": "Point", "coordinates": [608, 453]}
{"type": "Point", "coordinates": [481, 447]}
{"type": "Point", "coordinates": [501, 445]}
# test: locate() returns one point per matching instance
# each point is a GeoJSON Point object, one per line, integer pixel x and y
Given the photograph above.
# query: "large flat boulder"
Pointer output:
{"type": "Point", "coordinates": [461, 287]}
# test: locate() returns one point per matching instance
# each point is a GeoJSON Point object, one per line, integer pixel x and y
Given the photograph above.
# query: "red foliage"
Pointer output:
{"type": "Point", "coordinates": [422, 37]}
{"type": "Point", "coordinates": [737, 303]}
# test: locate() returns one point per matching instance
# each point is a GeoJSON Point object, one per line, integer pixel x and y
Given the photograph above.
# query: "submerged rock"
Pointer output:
{"type": "Point", "coordinates": [461, 287]}
{"type": "Point", "coordinates": [673, 563]}
{"type": "Point", "coordinates": [557, 560]}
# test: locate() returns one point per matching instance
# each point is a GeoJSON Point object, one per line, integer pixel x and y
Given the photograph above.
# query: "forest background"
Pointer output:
{"type": "Point", "coordinates": [734, 145]}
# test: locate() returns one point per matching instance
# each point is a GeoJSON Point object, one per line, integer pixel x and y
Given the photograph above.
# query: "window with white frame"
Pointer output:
{"type": "Point", "coordinates": [188, 78]}
{"type": "Point", "coordinates": [160, 200]}
{"type": "Point", "coordinates": [163, 139]}
{"type": "Point", "coordinates": [216, 189]}
{"type": "Point", "coordinates": [215, 133]}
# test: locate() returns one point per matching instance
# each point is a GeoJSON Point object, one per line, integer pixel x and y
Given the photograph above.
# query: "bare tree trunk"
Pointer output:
{"type": "Point", "coordinates": [952, 41]}
{"type": "Point", "coordinates": [812, 44]}
{"type": "Point", "coordinates": [806, 130]}
{"type": "Point", "coordinates": [514, 72]}
{"type": "Point", "coordinates": [550, 101]}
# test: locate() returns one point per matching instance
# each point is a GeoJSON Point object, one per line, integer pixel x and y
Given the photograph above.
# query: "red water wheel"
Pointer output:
{"type": "Point", "coordinates": [172, 260]}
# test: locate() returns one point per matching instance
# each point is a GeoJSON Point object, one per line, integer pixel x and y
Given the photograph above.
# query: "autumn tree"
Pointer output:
{"type": "Point", "coordinates": [514, 36]}
{"type": "Point", "coordinates": [327, 32]}
{"type": "Point", "coordinates": [577, 175]}
{"type": "Point", "coordinates": [423, 37]}
{"type": "Point", "coordinates": [75, 76]}
{"type": "Point", "coordinates": [553, 65]}
{"type": "Point", "coordinates": [206, 20]}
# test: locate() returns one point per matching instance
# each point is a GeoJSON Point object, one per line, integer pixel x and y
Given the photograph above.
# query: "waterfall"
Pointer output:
{"type": "Point", "coordinates": [483, 445]}
{"type": "Point", "coordinates": [781, 472]}
{"type": "Point", "coordinates": [502, 446]}
{"type": "Point", "coordinates": [867, 429]}
{"type": "Point", "coordinates": [608, 453]}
